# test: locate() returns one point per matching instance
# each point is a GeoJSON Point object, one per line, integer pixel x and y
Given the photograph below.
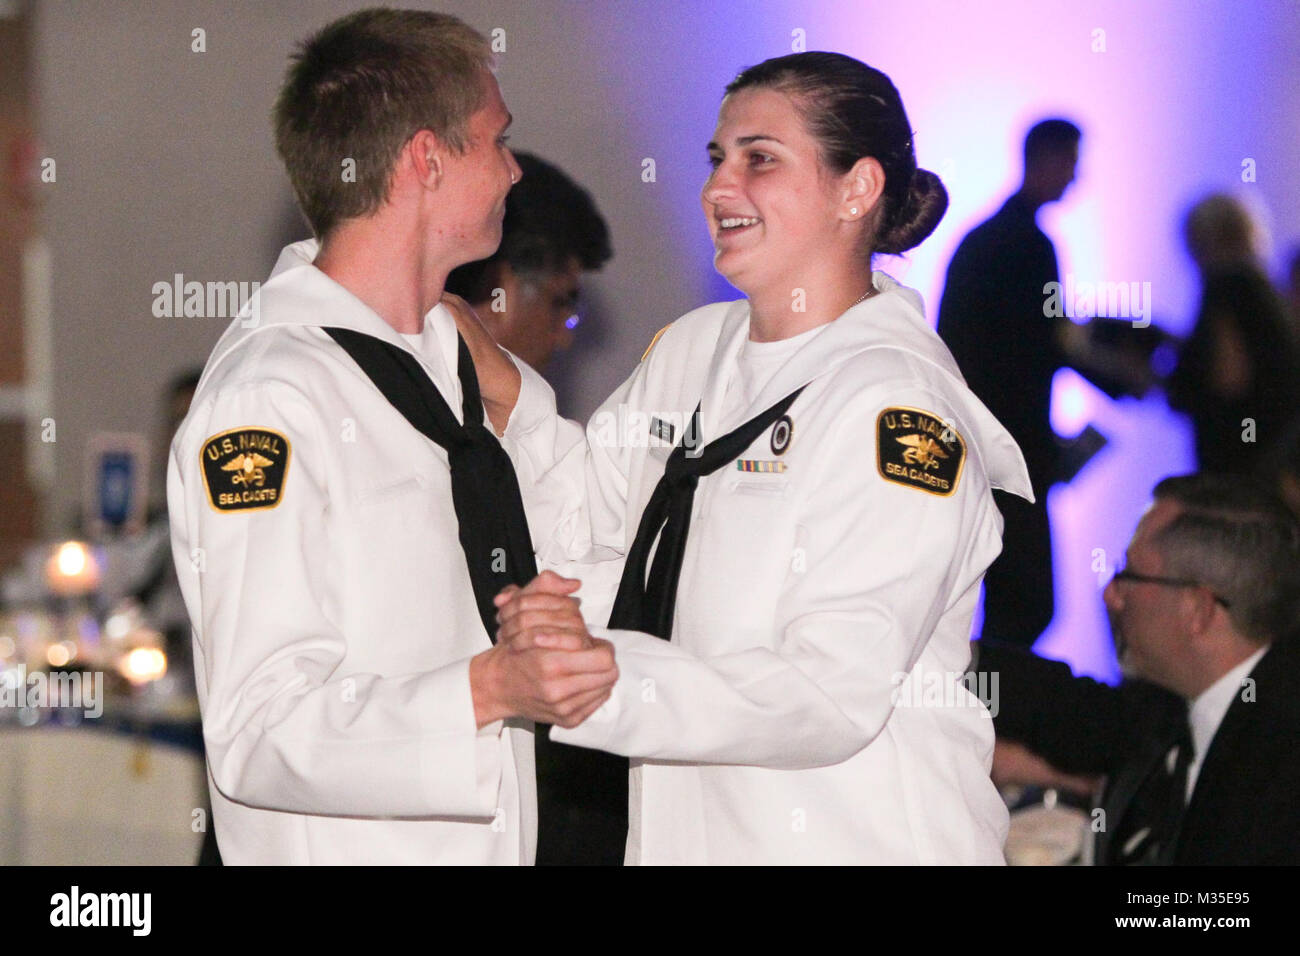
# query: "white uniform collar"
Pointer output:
{"type": "Point", "coordinates": [894, 318]}
{"type": "Point", "coordinates": [297, 293]}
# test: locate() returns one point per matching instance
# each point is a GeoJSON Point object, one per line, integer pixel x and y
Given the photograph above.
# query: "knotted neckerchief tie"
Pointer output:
{"type": "Point", "coordinates": [484, 489]}
{"type": "Point", "coordinates": [647, 604]}
{"type": "Point", "coordinates": [583, 794]}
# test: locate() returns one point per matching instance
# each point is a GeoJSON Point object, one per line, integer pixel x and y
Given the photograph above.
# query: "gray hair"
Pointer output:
{"type": "Point", "coordinates": [1240, 541]}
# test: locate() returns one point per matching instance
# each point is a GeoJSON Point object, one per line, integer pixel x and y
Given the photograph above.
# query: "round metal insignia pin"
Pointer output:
{"type": "Point", "coordinates": [781, 434]}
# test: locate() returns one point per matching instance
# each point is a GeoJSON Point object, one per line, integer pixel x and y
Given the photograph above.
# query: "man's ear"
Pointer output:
{"type": "Point", "coordinates": [1200, 610]}
{"type": "Point", "coordinates": [862, 188]}
{"type": "Point", "coordinates": [427, 156]}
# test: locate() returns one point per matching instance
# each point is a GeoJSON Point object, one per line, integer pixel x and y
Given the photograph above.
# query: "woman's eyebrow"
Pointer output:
{"type": "Point", "coordinates": [746, 140]}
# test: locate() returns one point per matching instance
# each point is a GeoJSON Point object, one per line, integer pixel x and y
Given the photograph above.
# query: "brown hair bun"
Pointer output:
{"type": "Point", "coordinates": [916, 217]}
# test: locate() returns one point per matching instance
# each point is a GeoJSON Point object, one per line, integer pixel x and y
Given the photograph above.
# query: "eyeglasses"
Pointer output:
{"type": "Point", "coordinates": [1124, 574]}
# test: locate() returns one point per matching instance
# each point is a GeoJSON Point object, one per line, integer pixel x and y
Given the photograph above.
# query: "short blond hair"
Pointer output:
{"type": "Point", "coordinates": [358, 90]}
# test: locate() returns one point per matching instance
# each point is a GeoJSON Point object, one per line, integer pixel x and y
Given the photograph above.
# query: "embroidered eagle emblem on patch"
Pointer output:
{"type": "Point", "coordinates": [920, 450]}
{"type": "Point", "coordinates": [244, 469]}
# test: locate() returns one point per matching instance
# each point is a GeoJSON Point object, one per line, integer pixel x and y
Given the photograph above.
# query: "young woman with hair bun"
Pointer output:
{"type": "Point", "coordinates": [796, 490]}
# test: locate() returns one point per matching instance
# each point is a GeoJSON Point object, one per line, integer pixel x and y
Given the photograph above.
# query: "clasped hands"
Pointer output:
{"type": "Point", "coordinates": [545, 665]}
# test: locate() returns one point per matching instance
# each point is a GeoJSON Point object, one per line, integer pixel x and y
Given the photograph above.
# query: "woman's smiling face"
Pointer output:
{"type": "Point", "coordinates": [771, 206]}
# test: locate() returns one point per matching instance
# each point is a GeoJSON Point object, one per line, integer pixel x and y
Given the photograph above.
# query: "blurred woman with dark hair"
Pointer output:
{"type": "Point", "coordinates": [798, 487]}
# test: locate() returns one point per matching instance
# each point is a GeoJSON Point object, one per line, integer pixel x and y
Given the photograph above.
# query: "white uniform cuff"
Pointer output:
{"type": "Point", "coordinates": [462, 775]}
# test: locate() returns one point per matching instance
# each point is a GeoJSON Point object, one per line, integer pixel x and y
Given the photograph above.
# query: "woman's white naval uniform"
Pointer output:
{"type": "Point", "coordinates": [333, 614]}
{"type": "Point", "coordinates": [809, 707]}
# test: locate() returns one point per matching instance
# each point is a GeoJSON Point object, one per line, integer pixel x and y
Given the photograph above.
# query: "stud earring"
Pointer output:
{"type": "Point", "coordinates": [853, 211]}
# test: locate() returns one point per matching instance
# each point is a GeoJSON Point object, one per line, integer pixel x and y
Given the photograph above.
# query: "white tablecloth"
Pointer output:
{"type": "Point", "coordinates": [93, 797]}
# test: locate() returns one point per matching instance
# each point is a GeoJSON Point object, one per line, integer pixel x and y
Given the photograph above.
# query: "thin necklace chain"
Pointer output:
{"type": "Point", "coordinates": [871, 290]}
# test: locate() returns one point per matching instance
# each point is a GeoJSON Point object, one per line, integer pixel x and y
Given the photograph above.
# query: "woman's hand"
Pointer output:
{"type": "Point", "coordinates": [543, 613]}
{"type": "Point", "coordinates": [498, 379]}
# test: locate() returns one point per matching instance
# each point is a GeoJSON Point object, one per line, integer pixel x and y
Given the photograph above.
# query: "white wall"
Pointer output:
{"type": "Point", "coordinates": [165, 164]}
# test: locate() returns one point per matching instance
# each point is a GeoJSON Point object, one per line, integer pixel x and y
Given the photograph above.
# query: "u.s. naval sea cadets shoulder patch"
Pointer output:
{"type": "Point", "coordinates": [244, 468]}
{"type": "Point", "coordinates": [920, 450]}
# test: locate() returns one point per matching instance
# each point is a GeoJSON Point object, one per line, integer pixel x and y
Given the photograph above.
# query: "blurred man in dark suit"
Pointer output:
{"type": "Point", "coordinates": [1199, 743]}
{"type": "Point", "coordinates": [992, 317]}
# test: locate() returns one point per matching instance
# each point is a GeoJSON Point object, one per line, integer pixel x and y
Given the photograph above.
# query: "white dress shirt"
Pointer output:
{"type": "Point", "coordinates": [1208, 709]}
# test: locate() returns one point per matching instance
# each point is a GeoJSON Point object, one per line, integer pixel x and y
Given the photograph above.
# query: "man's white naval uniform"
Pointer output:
{"type": "Point", "coordinates": [334, 619]}
{"type": "Point", "coordinates": [810, 706]}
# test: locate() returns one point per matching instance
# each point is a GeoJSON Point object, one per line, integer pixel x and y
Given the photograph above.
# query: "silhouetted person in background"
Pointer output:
{"type": "Point", "coordinates": [992, 317]}
{"type": "Point", "coordinates": [1236, 374]}
{"type": "Point", "coordinates": [552, 233]}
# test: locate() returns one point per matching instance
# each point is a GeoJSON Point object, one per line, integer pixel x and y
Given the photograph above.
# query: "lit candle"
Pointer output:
{"type": "Point", "coordinates": [72, 570]}
{"type": "Point", "coordinates": [143, 664]}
